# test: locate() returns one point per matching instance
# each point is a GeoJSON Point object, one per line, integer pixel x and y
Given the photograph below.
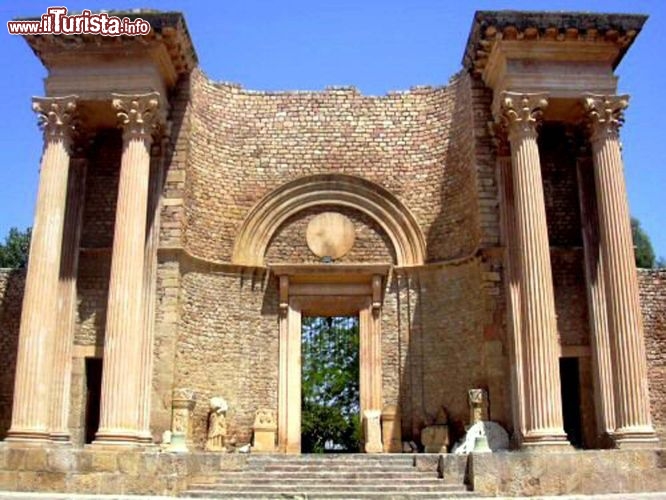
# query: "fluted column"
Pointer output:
{"type": "Point", "coordinates": [632, 404]}
{"type": "Point", "coordinates": [511, 275]}
{"type": "Point", "coordinates": [120, 405]}
{"type": "Point", "coordinates": [34, 364]}
{"type": "Point", "coordinates": [62, 350]}
{"type": "Point", "coordinates": [596, 301]}
{"type": "Point", "coordinates": [543, 400]}
{"type": "Point", "coordinates": [149, 288]}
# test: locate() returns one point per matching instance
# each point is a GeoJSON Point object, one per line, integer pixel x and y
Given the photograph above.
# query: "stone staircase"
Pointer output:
{"type": "Point", "coordinates": [332, 476]}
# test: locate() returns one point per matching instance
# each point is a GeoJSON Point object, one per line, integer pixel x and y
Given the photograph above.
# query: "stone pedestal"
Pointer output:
{"type": "Point", "coordinates": [478, 405]}
{"type": "Point", "coordinates": [182, 405]}
{"type": "Point", "coordinates": [391, 431]}
{"type": "Point", "coordinates": [632, 404]}
{"type": "Point", "coordinates": [39, 326]}
{"type": "Point", "coordinates": [265, 431]}
{"type": "Point", "coordinates": [372, 432]}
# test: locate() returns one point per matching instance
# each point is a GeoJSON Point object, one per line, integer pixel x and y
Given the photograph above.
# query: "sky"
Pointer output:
{"type": "Point", "coordinates": [375, 45]}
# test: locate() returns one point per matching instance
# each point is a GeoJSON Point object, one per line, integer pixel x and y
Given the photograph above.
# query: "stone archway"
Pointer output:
{"type": "Point", "coordinates": [329, 189]}
{"type": "Point", "coordinates": [327, 290]}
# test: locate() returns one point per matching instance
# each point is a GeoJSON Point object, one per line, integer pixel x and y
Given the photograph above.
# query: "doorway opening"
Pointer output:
{"type": "Point", "coordinates": [93, 397]}
{"type": "Point", "coordinates": [330, 385]}
{"type": "Point", "coordinates": [571, 401]}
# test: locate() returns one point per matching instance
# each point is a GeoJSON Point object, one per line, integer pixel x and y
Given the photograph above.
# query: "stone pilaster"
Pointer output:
{"type": "Point", "coordinates": [596, 300]}
{"type": "Point", "coordinates": [632, 410]}
{"type": "Point", "coordinates": [34, 365]}
{"type": "Point", "coordinates": [543, 400]}
{"type": "Point", "coordinates": [121, 376]}
{"type": "Point", "coordinates": [69, 263]}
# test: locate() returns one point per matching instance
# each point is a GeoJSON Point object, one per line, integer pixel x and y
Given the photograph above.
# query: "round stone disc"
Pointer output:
{"type": "Point", "coordinates": [330, 234]}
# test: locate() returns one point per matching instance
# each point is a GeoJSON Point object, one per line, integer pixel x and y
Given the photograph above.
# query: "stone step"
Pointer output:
{"type": "Point", "coordinates": [325, 486]}
{"type": "Point", "coordinates": [334, 468]}
{"type": "Point", "coordinates": [296, 465]}
{"type": "Point", "coordinates": [323, 476]}
{"type": "Point", "coordinates": [349, 494]}
{"type": "Point", "coordinates": [412, 478]}
{"type": "Point", "coordinates": [364, 457]}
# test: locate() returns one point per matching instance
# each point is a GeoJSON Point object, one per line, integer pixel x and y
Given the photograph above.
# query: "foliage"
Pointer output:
{"type": "Point", "coordinates": [14, 251]}
{"type": "Point", "coordinates": [330, 386]}
{"type": "Point", "coordinates": [642, 245]}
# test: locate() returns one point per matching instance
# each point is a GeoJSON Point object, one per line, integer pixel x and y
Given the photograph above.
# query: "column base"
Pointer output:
{"type": "Point", "coordinates": [145, 438]}
{"type": "Point", "coordinates": [638, 437]}
{"type": "Point", "coordinates": [38, 437]}
{"type": "Point", "coordinates": [60, 438]}
{"type": "Point", "coordinates": [114, 438]}
{"type": "Point", "coordinates": [545, 441]}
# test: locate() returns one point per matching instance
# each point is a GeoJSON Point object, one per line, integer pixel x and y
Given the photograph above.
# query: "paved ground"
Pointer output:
{"type": "Point", "coordinates": [5, 495]}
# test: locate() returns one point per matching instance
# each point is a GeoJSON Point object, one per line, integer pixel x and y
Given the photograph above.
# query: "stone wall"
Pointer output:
{"type": "Point", "coordinates": [227, 345]}
{"type": "Point", "coordinates": [12, 282]}
{"type": "Point", "coordinates": [417, 144]}
{"type": "Point", "coordinates": [102, 177]}
{"type": "Point", "coordinates": [652, 285]}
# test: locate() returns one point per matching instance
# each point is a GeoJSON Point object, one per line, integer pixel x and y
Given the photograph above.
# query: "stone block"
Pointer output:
{"type": "Point", "coordinates": [35, 459]}
{"type": "Point", "coordinates": [41, 481]}
{"type": "Point", "coordinates": [104, 461]}
{"type": "Point", "coordinates": [109, 483]}
{"type": "Point", "coordinates": [129, 462]}
{"type": "Point", "coordinates": [265, 431]}
{"type": "Point", "coordinates": [81, 483]}
{"type": "Point", "coordinates": [61, 460]}
{"type": "Point", "coordinates": [391, 429]}
{"type": "Point", "coordinates": [435, 438]}
{"type": "Point", "coordinates": [372, 432]}
{"type": "Point", "coordinates": [8, 480]}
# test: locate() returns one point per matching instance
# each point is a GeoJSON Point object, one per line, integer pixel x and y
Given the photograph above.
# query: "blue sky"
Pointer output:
{"type": "Point", "coordinates": [375, 45]}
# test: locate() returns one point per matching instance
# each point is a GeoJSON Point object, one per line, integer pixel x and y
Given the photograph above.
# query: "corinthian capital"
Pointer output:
{"type": "Point", "coordinates": [56, 117]}
{"type": "Point", "coordinates": [138, 115]}
{"type": "Point", "coordinates": [605, 114]}
{"type": "Point", "coordinates": [520, 113]}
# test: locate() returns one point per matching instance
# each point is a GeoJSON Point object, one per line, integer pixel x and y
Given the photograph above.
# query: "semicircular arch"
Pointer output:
{"type": "Point", "coordinates": [276, 207]}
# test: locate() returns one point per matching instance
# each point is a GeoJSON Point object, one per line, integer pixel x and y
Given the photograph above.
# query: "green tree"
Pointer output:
{"type": "Point", "coordinates": [330, 384]}
{"type": "Point", "coordinates": [14, 251]}
{"type": "Point", "coordinates": [642, 245]}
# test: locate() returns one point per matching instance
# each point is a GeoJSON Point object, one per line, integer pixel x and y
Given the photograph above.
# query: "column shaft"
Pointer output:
{"type": "Point", "coordinates": [596, 302]}
{"type": "Point", "coordinates": [632, 404]}
{"type": "Point", "coordinates": [69, 263]}
{"type": "Point", "coordinates": [120, 405]}
{"type": "Point", "coordinates": [34, 364]}
{"type": "Point", "coordinates": [149, 288]}
{"type": "Point", "coordinates": [543, 399]}
{"type": "Point", "coordinates": [508, 217]}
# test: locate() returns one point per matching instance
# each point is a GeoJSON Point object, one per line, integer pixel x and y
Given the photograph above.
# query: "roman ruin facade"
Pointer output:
{"type": "Point", "coordinates": [479, 230]}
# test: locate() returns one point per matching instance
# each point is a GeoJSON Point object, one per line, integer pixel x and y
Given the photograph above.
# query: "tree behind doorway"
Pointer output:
{"type": "Point", "coordinates": [330, 385]}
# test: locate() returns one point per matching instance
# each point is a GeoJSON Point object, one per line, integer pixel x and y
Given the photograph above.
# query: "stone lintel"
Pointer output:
{"type": "Point", "coordinates": [96, 65]}
{"type": "Point", "coordinates": [563, 54]}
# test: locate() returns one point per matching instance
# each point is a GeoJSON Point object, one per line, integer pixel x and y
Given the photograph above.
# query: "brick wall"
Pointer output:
{"type": "Point", "coordinates": [12, 283]}
{"type": "Point", "coordinates": [560, 186]}
{"type": "Point", "coordinates": [653, 303]}
{"type": "Point", "coordinates": [102, 178]}
{"type": "Point", "coordinates": [417, 144]}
